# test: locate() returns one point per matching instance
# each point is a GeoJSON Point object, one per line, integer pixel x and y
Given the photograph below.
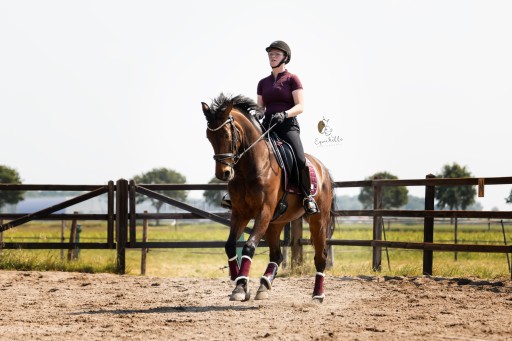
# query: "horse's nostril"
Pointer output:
{"type": "Point", "coordinates": [226, 175]}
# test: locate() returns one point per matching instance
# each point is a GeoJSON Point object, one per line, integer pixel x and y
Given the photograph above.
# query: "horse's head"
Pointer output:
{"type": "Point", "coordinates": [224, 138]}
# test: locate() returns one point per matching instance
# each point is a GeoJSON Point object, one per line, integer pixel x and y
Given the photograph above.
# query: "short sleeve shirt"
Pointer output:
{"type": "Point", "coordinates": [277, 93]}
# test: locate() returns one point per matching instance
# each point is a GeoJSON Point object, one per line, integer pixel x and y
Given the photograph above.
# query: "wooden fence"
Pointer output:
{"type": "Point", "coordinates": [121, 221]}
{"type": "Point", "coordinates": [428, 215]}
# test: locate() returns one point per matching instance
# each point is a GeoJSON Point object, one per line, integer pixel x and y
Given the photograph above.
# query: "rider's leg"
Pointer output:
{"type": "Point", "coordinates": [310, 205]}
{"type": "Point", "coordinates": [292, 136]}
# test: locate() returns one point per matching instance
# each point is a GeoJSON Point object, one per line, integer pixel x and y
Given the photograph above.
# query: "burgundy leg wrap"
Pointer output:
{"type": "Point", "coordinates": [245, 266]}
{"type": "Point", "coordinates": [319, 285]}
{"type": "Point", "coordinates": [233, 268]}
{"type": "Point", "coordinates": [271, 270]}
{"type": "Point", "coordinates": [270, 274]}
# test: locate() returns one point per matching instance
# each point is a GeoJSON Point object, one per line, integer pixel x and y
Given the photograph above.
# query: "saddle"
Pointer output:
{"type": "Point", "coordinates": [287, 162]}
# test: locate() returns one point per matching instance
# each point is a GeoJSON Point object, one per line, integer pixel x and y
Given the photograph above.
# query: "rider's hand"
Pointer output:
{"type": "Point", "coordinates": [259, 115]}
{"type": "Point", "coordinates": [278, 117]}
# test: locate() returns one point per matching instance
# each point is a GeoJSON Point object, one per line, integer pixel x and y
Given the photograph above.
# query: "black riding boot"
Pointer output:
{"type": "Point", "coordinates": [310, 205]}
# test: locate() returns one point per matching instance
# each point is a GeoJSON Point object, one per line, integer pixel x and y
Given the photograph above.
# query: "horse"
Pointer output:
{"type": "Point", "coordinates": [245, 159]}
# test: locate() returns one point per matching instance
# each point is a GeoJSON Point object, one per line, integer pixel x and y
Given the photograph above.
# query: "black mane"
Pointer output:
{"type": "Point", "coordinates": [244, 104]}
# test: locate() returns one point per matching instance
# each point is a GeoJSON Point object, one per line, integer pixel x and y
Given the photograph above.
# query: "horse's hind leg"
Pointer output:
{"type": "Point", "coordinates": [318, 238]}
{"type": "Point", "coordinates": [275, 257]}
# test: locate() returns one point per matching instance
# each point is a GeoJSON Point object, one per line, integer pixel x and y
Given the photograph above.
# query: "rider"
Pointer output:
{"type": "Point", "coordinates": [281, 96]}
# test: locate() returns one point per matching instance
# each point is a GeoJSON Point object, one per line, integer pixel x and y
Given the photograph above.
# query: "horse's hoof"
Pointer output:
{"type": "Point", "coordinates": [319, 298]}
{"type": "Point", "coordinates": [262, 293]}
{"type": "Point", "coordinates": [240, 294]}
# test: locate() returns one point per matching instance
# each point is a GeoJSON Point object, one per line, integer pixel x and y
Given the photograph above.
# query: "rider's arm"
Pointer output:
{"type": "Point", "coordinates": [298, 99]}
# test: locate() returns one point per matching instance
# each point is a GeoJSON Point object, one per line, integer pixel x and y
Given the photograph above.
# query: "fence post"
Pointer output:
{"type": "Point", "coordinates": [456, 237]}
{"type": "Point", "coordinates": [72, 238]}
{"type": "Point", "coordinates": [110, 215]}
{"type": "Point", "coordinates": [286, 246]}
{"type": "Point", "coordinates": [1, 237]}
{"type": "Point", "coordinates": [428, 227]}
{"type": "Point", "coordinates": [76, 251]}
{"type": "Point", "coordinates": [387, 251]}
{"type": "Point", "coordinates": [329, 262]}
{"type": "Point", "coordinates": [62, 238]}
{"type": "Point", "coordinates": [377, 227]}
{"type": "Point", "coordinates": [121, 224]}
{"type": "Point", "coordinates": [144, 250]}
{"type": "Point", "coordinates": [296, 236]}
{"type": "Point", "coordinates": [133, 221]}
{"type": "Point", "coordinates": [239, 249]}
{"type": "Point", "coordinates": [506, 253]}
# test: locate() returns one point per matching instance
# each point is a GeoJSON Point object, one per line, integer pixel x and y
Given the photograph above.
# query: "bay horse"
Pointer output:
{"type": "Point", "coordinates": [245, 158]}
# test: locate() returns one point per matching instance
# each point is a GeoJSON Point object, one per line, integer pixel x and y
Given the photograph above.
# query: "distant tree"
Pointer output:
{"type": "Point", "coordinates": [455, 197]}
{"type": "Point", "coordinates": [509, 199]}
{"type": "Point", "coordinates": [392, 197]}
{"type": "Point", "coordinates": [161, 176]}
{"type": "Point", "coordinates": [348, 202]}
{"type": "Point", "coordinates": [476, 206]}
{"type": "Point", "coordinates": [9, 176]}
{"type": "Point", "coordinates": [212, 196]}
{"type": "Point", "coordinates": [414, 203]}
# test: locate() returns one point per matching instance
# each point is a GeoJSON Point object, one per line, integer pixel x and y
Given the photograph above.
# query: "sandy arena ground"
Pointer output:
{"type": "Point", "coordinates": [76, 306]}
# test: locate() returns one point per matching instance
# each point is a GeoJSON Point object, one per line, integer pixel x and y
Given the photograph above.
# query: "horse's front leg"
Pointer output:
{"type": "Point", "coordinates": [237, 228]}
{"type": "Point", "coordinates": [275, 259]}
{"type": "Point", "coordinates": [241, 291]}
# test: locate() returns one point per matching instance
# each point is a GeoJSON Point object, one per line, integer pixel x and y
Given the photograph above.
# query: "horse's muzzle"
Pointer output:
{"type": "Point", "coordinates": [226, 174]}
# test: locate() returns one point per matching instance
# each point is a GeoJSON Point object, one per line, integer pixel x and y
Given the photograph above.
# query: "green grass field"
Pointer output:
{"type": "Point", "coordinates": [211, 263]}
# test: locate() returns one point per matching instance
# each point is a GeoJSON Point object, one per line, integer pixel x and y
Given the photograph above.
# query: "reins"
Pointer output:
{"type": "Point", "coordinates": [236, 157]}
{"type": "Point", "coordinates": [258, 140]}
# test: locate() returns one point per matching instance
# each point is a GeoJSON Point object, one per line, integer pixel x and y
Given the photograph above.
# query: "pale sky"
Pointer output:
{"type": "Point", "coordinates": [92, 91]}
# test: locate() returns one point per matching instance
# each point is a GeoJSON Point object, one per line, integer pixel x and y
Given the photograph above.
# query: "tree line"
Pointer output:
{"type": "Point", "coordinates": [451, 197]}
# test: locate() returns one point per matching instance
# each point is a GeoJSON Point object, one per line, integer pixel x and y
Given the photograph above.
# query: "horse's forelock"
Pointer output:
{"type": "Point", "coordinates": [219, 105]}
{"type": "Point", "coordinates": [243, 104]}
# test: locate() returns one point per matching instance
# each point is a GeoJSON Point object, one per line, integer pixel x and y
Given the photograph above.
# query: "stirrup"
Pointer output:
{"type": "Point", "coordinates": [310, 205]}
{"type": "Point", "coordinates": [226, 201]}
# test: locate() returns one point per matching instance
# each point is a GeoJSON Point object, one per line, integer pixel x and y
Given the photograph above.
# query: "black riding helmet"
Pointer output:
{"type": "Point", "coordinates": [281, 45]}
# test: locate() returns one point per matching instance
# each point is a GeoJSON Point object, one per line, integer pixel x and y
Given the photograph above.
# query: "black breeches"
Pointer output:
{"type": "Point", "coordinates": [293, 138]}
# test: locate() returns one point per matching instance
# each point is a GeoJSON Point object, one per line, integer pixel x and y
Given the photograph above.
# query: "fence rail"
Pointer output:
{"type": "Point", "coordinates": [122, 217]}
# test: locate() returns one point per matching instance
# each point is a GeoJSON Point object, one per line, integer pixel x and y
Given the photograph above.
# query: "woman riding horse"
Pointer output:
{"type": "Point", "coordinates": [245, 158]}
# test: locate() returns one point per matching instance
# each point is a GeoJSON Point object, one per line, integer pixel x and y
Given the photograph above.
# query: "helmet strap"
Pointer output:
{"type": "Point", "coordinates": [280, 63]}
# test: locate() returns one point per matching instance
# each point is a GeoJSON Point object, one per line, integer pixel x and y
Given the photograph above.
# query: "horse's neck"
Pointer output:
{"type": "Point", "coordinates": [259, 158]}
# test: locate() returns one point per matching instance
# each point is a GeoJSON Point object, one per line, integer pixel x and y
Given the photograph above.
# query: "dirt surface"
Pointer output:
{"type": "Point", "coordinates": [65, 306]}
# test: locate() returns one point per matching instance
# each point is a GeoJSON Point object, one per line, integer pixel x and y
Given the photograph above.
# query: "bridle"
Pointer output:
{"type": "Point", "coordinates": [233, 155]}
{"type": "Point", "coordinates": [235, 133]}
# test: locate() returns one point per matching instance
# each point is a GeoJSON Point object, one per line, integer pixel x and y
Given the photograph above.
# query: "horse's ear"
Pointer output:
{"type": "Point", "coordinates": [206, 108]}
{"type": "Point", "coordinates": [207, 111]}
